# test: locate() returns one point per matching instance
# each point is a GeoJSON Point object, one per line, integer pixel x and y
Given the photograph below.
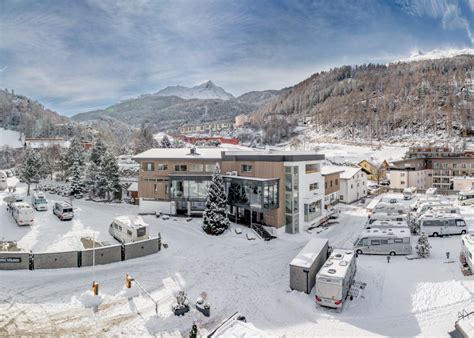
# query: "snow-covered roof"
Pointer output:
{"type": "Point", "coordinates": [181, 153]}
{"type": "Point", "coordinates": [348, 172]}
{"type": "Point", "coordinates": [337, 264]}
{"type": "Point", "coordinates": [131, 221]}
{"type": "Point", "coordinates": [133, 187]}
{"type": "Point", "coordinates": [328, 170]}
{"type": "Point", "coordinates": [233, 327]}
{"type": "Point", "coordinates": [310, 251]}
{"type": "Point", "coordinates": [381, 232]}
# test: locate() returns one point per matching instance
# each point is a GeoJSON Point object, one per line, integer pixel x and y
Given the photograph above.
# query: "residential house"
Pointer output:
{"type": "Point", "coordinates": [332, 184]}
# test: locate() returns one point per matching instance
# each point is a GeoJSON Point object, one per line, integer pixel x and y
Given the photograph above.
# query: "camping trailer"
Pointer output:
{"type": "Point", "coordinates": [443, 224]}
{"type": "Point", "coordinates": [38, 201]}
{"type": "Point", "coordinates": [305, 266]}
{"type": "Point", "coordinates": [335, 278]}
{"type": "Point", "coordinates": [128, 229]}
{"type": "Point", "coordinates": [387, 241]}
{"type": "Point", "coordinates": [22, 213]}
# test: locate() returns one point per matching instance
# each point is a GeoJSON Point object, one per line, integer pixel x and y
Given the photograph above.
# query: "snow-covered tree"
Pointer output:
{"type": "Point", "coordinates": [98, 152]}
{"type": "Point", "coordinates": [144, 140]}
{"type": "Point", "coordinates": [110, 171]}
{"type": "Point", "coordinates": [75, 153]}
{"type": "Point", "coordinates": [30, 167]}
{"type": "Point", "coordinates": [165, 142]}
{"type": "Point", "coordinates": [92, 178]}
{"type": "Point", "coordinates": [423, 246]}
{"type": "Point", "coordinates": [215, 220]}
{"type": "Point", "coordinates": [77, 185]}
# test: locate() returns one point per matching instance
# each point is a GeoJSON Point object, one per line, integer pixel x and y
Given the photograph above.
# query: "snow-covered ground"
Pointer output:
{"type": "Point", "coordinates": [10, 138]}
{"type": "Point", "coordinates": [403, 298]}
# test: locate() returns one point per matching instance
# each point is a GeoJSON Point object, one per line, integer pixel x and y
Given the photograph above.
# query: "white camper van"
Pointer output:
{"type": "Point", "coordinates": [467, 247]}
{"type": "Point", "coordinates": [22, 213]}
{"type": "Point", "coordinates": [386, 224]}
{"type": "Point", "coordinates": [414, 206]}
{"type": "Point", "coordinates": [3, 180]}
{"type": "Point", "coordinates": [424, 207]}
{"type": "Point", "coordinates": [335, 278]}
{"type": "Point", "coordinates": [127, 229]}
{"type": "Point", "coordinates": [466, 197]}
{"type": "Point", "coordinates": [391, 241]}
{"type": "Point", "coordinates": [431, 192]}
{"type": "Point", "coordinates": [384, 216]}
{"type": "Point", "coordinates": [409, 193]}
{"type": "Point", "coordinates": [39, 202]}
{"type": "Point", "coordinates": [443, 224]}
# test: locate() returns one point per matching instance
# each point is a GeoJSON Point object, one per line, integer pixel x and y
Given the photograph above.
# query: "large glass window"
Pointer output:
{"type": "Point", "coordinates": [162, 166]}
{"type": "Point", "coordinates": [197, 167]}
{"type": "Point", "coordinates": [246, 168]}
{"type": "Point", "coordinates": [210, 168]}
{"type": "Point", "coordinates": [291, 199]}
{"type": "Point", "coordinates": [312, 210]}
{"type": "Point", "coordinates": [189, 189]}
{"type": "Point", "coordinates": [180, 167]}
{"type": "Point", "coordinates": [148, 166]}
{"type": "Point", "coordinates": [254, 194]}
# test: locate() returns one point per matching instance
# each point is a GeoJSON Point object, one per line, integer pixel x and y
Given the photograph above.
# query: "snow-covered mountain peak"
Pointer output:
{"type": "Point", "coordinates": [204, 90]}
{"type": "Point", "coordinates": [418, 55]}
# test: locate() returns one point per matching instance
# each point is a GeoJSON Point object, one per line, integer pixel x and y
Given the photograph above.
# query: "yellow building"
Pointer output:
{"type": "Point", "coordinates": [376, 171]}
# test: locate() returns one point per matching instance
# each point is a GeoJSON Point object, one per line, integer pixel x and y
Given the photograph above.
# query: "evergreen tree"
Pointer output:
{"type": "Point", "coordinates": [165, 142]}
{"type": "Point", "coordinates": [75, 153]}
{"type": "Point", "coordinates": [92, 178]}
{"type": "Point", "coordinates": [98, 152]}
{"type": "Point", "coordinates": [77, 186]}
{"type": "Point", "coordinates": [423, 246]}
{"type": "Point", "coordinates": [215, 220]}
{"type": "Point", "coordinates": [110, 171]}
{"type": "Point", "coordinates": [30, 168]}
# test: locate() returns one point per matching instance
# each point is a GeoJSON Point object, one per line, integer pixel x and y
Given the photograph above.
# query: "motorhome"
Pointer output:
{"type": "Point", "coordinates": [22, 213]}
{"type": "Point", "coordinates": [386, 224]}
{"type": "Point", "coordinates": [390, 241]}
{"type": "Point", "coordinates": [467, 248]}
{"type": "Point", "coordinates": [3, 180]}
{"type": "Point", "coordinates": [390, 207]}
{"type": "Point", "coordinates": [466, 197]}
{"type": "Point", "coordinates": [414, 206]}
{"type": "Point", "coordinates": [63, 211]}
{"type": "Point", "coordinates": [385, 216]}
{"type": "Point", "coordinates": [431, 192]}
{"type": "Point", "coordinates": [443, 224]}
{"type": "Point", "coordinates": [38, 201]}
{"type": "Point", "coordinates": [445, 209]}
{"type": "Point", "coordinates": [127, 229]}
{"type": "Point", "coordinates": [335, 278]}
{"type": "Point", "coordinates": [409, 193]}
{"type": "Point", "coordinates": [426, 206]}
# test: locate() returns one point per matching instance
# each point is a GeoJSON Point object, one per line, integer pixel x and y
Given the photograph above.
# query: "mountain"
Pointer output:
{"type": "Point", "coordinates": [430, 97]}
{"type": "Point", "coordinates": [206, 90]}
{"type": "Point", "coordinates": [258, 98]}
{"type": "Point", "coordinates": [419, 55]}
{"type": "Point", "coordinates": [20, 113]}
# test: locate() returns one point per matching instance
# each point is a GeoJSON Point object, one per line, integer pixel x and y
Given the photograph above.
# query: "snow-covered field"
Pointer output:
{"type": "Point", "coordinates": [10, 138]}
{"type": "Point", "coordinates": [403, 298]}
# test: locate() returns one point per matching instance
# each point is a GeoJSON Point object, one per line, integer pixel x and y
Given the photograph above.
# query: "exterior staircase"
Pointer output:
{"type": "Point", "coordinates": [260, 230]}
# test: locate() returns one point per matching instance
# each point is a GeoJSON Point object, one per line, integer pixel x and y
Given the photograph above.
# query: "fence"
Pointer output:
{"type": "Point", "coordinates": [77, 259]}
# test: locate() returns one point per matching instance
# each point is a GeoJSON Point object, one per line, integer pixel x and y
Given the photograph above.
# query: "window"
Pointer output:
{"type": "Point", "coordinates": [352, 186]}
{"type": "Point", "coordinates": [210, 168]}
{"type": "Point", "coordinates": [341, 197]}
{"type": "Point", "coordinates": [246, 168]}
{"type": "Point", "coordinates": [402, 174]}
{"type": "Point", "coordinates": [149, 166]}
{"type": "Point", "coordinates": [129, 233]}
{"type": "Point", "coordinates": [330, 184]}
{"type": "Point", "coordinates": [398, 240]}
{"type": "Point", "coordinates": [197, 167]}
{"type": "Point", "coordinates": [180, 167]}
{"type": "Point", "coordinates": [402, 182]}
{"type": "Point", "coordinates": [325, 185]}
{"type": "Point", "coordinates": [162, 166]}
{"type": "Point", "coordinates": [383, 241]}
{"type": "Point", "coordinates": [313, 186]}
{"type": "Point", "coordinates": [375, 242]}
{"type": "Point", "coordinates": [155, 189]}
{"type": "Point", "coordinates": [337, 181]}
{"type": "Point", "coordinates": [364, 242]}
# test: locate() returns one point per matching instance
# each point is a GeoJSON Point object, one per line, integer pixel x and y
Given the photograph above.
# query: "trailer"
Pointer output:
{"type": "Point", "coordinates": [335, 278]}
{"type": "Point", "coordinates": [305, 266]}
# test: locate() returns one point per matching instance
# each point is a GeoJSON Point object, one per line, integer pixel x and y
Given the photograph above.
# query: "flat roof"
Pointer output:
{"type": "Point", "coordinates": [181, 153]}
{"type": "Point", "coordinates": [337, 264]}
{"type": "Point", "coordinates": [310, 251]}
{"type": "Point", "coordinates": [388, 232]}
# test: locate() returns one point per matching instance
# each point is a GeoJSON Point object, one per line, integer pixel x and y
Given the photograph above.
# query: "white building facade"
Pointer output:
{"type": "Point", "coordinates": [353, 185]}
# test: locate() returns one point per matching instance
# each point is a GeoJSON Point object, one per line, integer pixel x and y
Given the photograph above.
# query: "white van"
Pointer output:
{"type": "Point", "coordinates": [467, 247]}
{"type": "Point", "coordinates": [335, 278]}
{"type": "Point", "coordinates": [391, 241]}
{"type": "Point", "coordinates": [386, 224]}
{"type": "Point", "coordinates": [443, 224]}
{"type": "Point", "coordinates": [431, 192]}
{"type": "Point", "coordinates": [385, 216]}
{"type": "Point", "coordinates": [3, 180]}
{"type": "Point", "coordinates": [38, 201]}
{"type": "Point", "coordinates": [127, 229]}
{"type": "Point", "coordinates": [466, 197]}
{"type": "Point", "coordinates": [394, 208]}
{"type": "Point", "coordinates": [409, 193]}
{"type": "Point", "coordinates": [22, 213]}
{"type": "Point", "coordinates": [63, 211]}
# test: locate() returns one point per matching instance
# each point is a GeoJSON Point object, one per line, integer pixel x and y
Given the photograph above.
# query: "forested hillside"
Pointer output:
{"type": "Point", "coordinates": [381, 101]}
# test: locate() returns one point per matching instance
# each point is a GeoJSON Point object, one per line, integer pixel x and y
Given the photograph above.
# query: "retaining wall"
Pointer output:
{"type": "Point", "coordinates": [103, 255]}
{"type": "Point", "coordinates": [142, 248]}
{"type": "Point", "coordinates": [56, 260]}
{"type": "Point", "coordinates": [14, 260]}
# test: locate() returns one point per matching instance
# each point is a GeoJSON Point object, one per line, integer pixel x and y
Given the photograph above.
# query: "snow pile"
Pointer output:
{"type": "Point", "coordinates": [134, 291]}
{"type": "Point", "coordinates": [88, 299]}
{"type": "Point", "coordinates": [429, 296]}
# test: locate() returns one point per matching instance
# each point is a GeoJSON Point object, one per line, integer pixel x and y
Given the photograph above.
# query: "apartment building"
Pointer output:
{"type": "Point", "coordinates": [353, 183]}
{"type": "Point", "coordinates": [283, 190]}
{"type": "Point", "coordinates": [332, 186]}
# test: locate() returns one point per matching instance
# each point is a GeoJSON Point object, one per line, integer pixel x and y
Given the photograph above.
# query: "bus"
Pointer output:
{"type": "Point", "coordinates": [384, 241]}
{"type": "Point", "coordinates": [466, 197]}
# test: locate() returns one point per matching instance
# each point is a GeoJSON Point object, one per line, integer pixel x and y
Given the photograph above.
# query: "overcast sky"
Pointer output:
{"type": "Point", "coordinates": [75, 56]}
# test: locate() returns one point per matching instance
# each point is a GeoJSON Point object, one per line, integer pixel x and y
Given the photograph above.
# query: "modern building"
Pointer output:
{"type": "Point", "coordinates": [353, 183]}
{"type": "Point", "coordinates": [205, 127]}
{"type": "Point", "coordinates": [332, 186]}
{"type": "Point", "coordinates": [283, 190]}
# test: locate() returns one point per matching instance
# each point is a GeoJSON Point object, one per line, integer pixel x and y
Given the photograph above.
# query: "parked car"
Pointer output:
{"type": "Point", "coordinates": [63, 211]}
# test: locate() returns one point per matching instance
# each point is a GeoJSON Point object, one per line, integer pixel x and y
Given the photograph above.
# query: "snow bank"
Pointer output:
{"type": "Point", "coordinates": [88, 299]}
{"type": "Point", "coordinates": [429, 296]}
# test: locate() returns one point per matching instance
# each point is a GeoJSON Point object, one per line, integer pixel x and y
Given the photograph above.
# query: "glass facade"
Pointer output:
{"type": "Point", "coordinates": [186, 189]}
{"type": "Point", "coordinates": [254, 194]}
{"type": "Point", "coordinates": [291, 199]}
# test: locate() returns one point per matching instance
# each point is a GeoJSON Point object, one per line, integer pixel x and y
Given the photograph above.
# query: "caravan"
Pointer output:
{"type": "Point", "coordinates": [466, 197]}
{"type": "Point", "coordinates": [391, 241]}
{"type": "Point", "coordinates": [384, 216]}
{"type": "Point", "coordinates": [467, 248]}
{"type": "Point", "coordinates": [393, 208]}
{"type": "Point", "coordinates": [409, 193]}
{"type": "Point", "coordinates": [39, 202]}
{"type": "Point", "coordinates": [3, 180]}
{"type": "Point", "coordinates": [22, 213]}
{"type": "Point", "coordinates": [127, 229]}
{"type": "Point", "coordinates": [387, 224]}
{"type": "Point", "coordinates": [443, 224]}
{"type": "Point", "coordinates": [335, 278]}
